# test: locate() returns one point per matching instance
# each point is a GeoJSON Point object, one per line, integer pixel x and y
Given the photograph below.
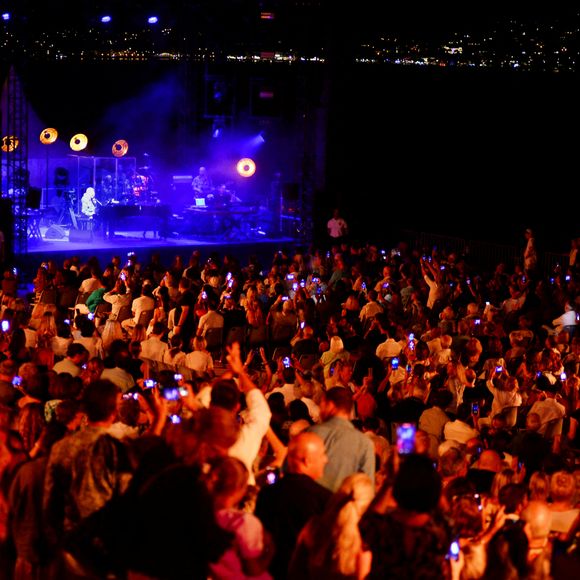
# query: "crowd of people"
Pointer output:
{"type": "Point", "coordinates": [351, 413]}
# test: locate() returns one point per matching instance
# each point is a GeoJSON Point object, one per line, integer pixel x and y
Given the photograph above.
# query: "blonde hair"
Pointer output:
{"type": "Point", "coordinates": [539, 486]}
{"type": "Point", "coordinates": [562, 486]}
{"type": "Point", "coordinates": [500, 480]}
{"type": "Point", "coordinates": [336, 536]}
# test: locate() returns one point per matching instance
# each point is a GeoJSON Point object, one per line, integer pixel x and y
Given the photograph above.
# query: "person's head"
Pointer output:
{"type": "Point", "coordinates": [77, 353]}
{"type": "Point", "coordinates": [539, 486]}
{"type": "Point", "coordinates": [513, 496]}
{"type": "Point", "coordinates": [417, 485]}
{"type": "Point", "coordinates": [337, 402]}
{"type": "Point", "coordinates": [501, 479]}
{"type": "Point", "coordinates": [466, 516]}
{"type": "Point", "coordinates": [307, 455]}
{"type": "Point", "coordinates": [489, 460]}
{"type": "Point", "coordinates": [453, 463]}
{"type": "Point", "coordinates": [562, 487]}
{"type": "Point", "coordinates": [101, 400]}
{"type": "Point", "coordinates": [226, 395]}
{"type": "Point", "coordinates": [227, 480]}
{"type": "Point", "coordinates": [336, 344]}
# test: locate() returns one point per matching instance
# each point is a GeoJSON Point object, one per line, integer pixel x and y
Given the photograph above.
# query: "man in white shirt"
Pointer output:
{"type": "Point", "coordinates": [255, 419]}
{"type": "Point", "coordinates": [371, 308]}
{"type": "Point", "coordinates": [287, 389]}
{"type": "Point", "coordinates": [143, 303]}
{"type": "Point", "coordinates": [153, 348]}
{"type": "Point", "coordinates": [337, 227]}
{"type": "Point", "coordinates": [459, 430]}
{"type": "Point", "coordinates": [76, 356]}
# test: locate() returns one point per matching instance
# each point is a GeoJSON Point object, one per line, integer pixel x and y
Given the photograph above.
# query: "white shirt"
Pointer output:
{"type": "Point", "coordinates": [388, 349]}
{"type": "Point", "coordinates": [336, 227]}
{"type": "Point", "coordinates": [287, 390]}
{"type": "Point", "coordinates": [153, 348]}
{"type": "Point", "coordinates": [256, 422]}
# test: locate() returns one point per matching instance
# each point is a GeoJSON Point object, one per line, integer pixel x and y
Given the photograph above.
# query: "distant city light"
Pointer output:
{"type": "Point", "coordinates": [152, 20]}
{"type": "Point", "coordinates": [6, 16]}
{"type": "Point", "coordinates": [106, 19]}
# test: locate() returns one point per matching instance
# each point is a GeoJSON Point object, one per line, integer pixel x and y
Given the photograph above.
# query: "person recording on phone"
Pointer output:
{"type": "Point", "coordinates": [118, 297]}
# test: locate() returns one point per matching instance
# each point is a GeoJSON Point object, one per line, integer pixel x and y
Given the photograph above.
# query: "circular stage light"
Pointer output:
{"type": "Point", "coordinates": [79, 142]}
{"type": "Point", "coordinates": [120, 148]}
{"type": "Point", "coordinates": [48, 136]}
{"type": "Point", "coordinates": [246, 167]}
{"type": "Point", "coordinates": [10, 143]}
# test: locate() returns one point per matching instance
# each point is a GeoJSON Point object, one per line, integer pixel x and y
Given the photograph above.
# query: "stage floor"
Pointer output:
{"type": "Point", "coordinates": [144, 244]}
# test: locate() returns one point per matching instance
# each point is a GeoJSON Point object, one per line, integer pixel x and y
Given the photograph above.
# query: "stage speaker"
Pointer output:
{"type": "Point", "coordinates": [55, 232]}
{"type": "Point", "coordinates": [33, 195]}
{"type": "Point", "coordinates": [80, 236]}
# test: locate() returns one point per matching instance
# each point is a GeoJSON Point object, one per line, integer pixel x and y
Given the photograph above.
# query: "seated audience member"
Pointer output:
{"type": "Point", "coordinates": [562, 492]}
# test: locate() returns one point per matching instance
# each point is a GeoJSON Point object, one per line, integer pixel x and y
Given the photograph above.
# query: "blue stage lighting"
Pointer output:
{"type": "Point", "coordinates": [106, 19]}
{"type": "Point", "coordinates": [153, 20]}
{"type": "Point", "coordinates": [6, 16]}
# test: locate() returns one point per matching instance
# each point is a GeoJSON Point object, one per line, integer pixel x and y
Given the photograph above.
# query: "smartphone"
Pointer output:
{"type": "Point", "coordinates": [406, 438]}
{"type": "Point", "coordinates": [395, 363]}
{"type": "Point", "coordinates": [295, 286]}
{"type": "Point", "coordinates": [183, 392]}
{"type": "Point", "coordinates": [204, 295]}
{"type": "Point", "coordinates": [128, 396]}
{"type": "Point", "coordinates": [272, 475]}
{"type": "Point", "coordinates": [230, 283]}
{"type": "Point", "coordinates": [454, 549]}
{"type": "Point", "coordinates": [123, 276]}
{"type": "Point", "coordinates": [15, 272]}
{"type": "Point", "coordinates": [5, 325]}
{"type": "Point", "coordinates": [149, 383]}
{"type": "Point", "coordinates": [498, 369]}
{"type": "Point", "coordinates": [284, 298]}
{"type": "Point", "coordinates": [286, 362]}
{"type": "Point", "coordinates": [563, 377]}
{"type": "Point", "coordinates": [567, 278]}
{"type": "Point", "coordinates": [364, 285]}
{"type": "Point", "coordinates": [177, 377]}
{"type": "Point", "coordinates": [468, 280]}
{"type": "Point", "coordinates": [477, 321]}
{"type": "Point", "coordinates": [170, 393]}
{"type": "Point", "coordinates": [228, 276]}
{"type": "Point", "coordinates": [175, 419]}
{"type": "Point", "coordinates": [84, 367]}
{"type": "Point", "coordinates": [16, 381]}
{"type": "Point", "coordinates": [67, 321]}
{"type": "Point", "coordinates": [475, 408]}
{"type": "Point", "coordinates": [91, 315]}
{"type": "Point", "coordinates": [302, 324]}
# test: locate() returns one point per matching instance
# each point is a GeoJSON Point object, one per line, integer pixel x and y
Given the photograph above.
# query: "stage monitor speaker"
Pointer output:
{"type": "Point", "coordinates": [80, 236]}
{"type": "Point", "coordinates": [33, 195]}
{"type": "Point", "coordinates": [55, 232]}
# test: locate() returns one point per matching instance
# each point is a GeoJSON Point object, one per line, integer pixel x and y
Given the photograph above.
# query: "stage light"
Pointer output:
{"type": "Point", "coordinates": [79, 142]}
{"type": "Point", "coordinates": [9, 143]}
{"type": "Point", "coordinates": [120, 148]}
{"type": "Point", "coordinates": [48, 136]}
{"type": "Point", "coordinates": [6, 16]}
{"type": "Point", "coordinates": [153, 20]}
{"type": "Point", "coordinates": [106, 19]}
{"type": "Point", "coordinates": [246, 167]}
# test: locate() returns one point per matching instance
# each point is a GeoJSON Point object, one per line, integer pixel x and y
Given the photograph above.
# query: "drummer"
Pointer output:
{"type": "Point", "coordinates": [201, 184]}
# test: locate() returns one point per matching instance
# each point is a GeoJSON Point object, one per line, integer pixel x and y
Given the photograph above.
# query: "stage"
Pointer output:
{"type": "Point", "coordinates": [58, 242]}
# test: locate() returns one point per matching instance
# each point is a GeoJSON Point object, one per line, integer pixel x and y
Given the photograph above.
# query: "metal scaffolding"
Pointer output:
{"type": "Point", "coordinates": [14, 157]}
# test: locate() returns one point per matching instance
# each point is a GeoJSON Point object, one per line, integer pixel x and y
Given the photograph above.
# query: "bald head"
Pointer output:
{"type": "Point", "coordinates": [489, 460]}
{"type": "Point", "coordinates": [307, 455]}
{"type": "Point", "coordinates": [539, 517]}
